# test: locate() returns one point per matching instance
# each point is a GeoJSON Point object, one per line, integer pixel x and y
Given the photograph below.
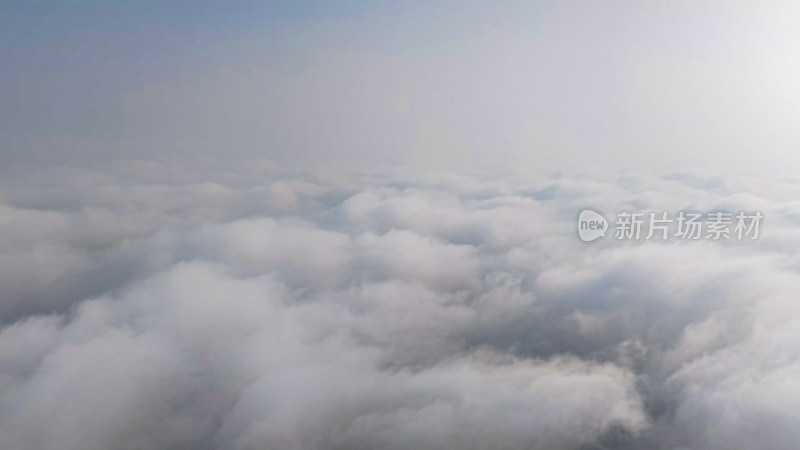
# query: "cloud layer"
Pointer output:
{"type": "Point", "coordinates": [148, 305]}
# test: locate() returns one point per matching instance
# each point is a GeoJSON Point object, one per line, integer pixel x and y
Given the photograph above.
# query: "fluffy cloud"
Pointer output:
{"type": "Point", "coordinates": [243, 307]}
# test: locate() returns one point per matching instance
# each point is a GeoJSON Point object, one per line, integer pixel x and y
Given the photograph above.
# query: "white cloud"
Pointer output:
{"type": "Point", "coordinates": [384, 310]}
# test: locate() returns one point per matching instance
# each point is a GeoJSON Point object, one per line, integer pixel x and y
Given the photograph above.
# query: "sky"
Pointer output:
{"type": "Point", "coordinates": [355, 225]}
{"type": "Point", "coordinates": [550, 85]}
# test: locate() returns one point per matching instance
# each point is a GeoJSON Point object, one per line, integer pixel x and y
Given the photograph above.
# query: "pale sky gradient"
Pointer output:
{"type": "Point", "coordinates": [553, 85]}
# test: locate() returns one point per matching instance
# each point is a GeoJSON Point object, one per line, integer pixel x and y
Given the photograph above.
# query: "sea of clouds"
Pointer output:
{"type": "Point", "coordinates": [240, 306]}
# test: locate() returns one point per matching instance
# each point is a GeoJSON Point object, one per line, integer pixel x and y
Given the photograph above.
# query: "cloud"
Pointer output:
{"type": "Point", "coordinates": [243, 306]}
